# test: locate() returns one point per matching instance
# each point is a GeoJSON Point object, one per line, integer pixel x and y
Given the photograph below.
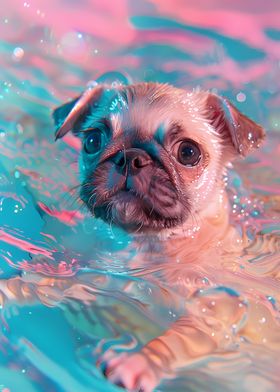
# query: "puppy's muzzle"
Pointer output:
{"type": "Point", "coordinates": [131, 161]}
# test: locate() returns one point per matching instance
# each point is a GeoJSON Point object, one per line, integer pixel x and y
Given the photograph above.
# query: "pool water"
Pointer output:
{"type": "Point", "coordinates": [52, 335]}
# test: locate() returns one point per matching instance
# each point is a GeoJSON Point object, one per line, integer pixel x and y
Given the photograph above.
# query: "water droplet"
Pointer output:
{"type": "Point", "coordinates": [241, 97]}
{"type": "Point", "coordinates": [17, 174]}
{"type": "Point", "coordinates": [271, 299]}
{"type": "Point", "coordinates": [205, 281]}
{"type": "Point", "coordinates": [18, 54]}
{"type": "Point", "coordinates": [255, 213]}
{"type": "Point", "coordinates": [19, 128]}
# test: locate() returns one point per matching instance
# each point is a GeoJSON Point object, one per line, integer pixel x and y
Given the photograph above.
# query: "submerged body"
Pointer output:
{"type": "Point", "coordinates": [219, 315]}
{"type": "Point", "coordinates": [152, 162]}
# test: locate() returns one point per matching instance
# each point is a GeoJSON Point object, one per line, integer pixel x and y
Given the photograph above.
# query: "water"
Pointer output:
{"type": "Point", "coordinates": [49, 50]}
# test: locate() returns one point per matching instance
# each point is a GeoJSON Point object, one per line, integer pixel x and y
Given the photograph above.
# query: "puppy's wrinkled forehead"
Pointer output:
{"type": "Point", "coordinates": [143, 109]}
{"type": "Point", "coordinates": [153, 110]}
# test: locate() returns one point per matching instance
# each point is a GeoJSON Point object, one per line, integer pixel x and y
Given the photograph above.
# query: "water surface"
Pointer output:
{"type": "Point", "coordinates": [49, 50]}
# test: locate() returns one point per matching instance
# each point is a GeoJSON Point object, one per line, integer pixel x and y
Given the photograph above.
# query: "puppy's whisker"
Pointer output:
{"type": "Point", "coordinates": [90, 200]}
{"type": "Point", "coordinates": [152, 209]}
{"type": "Point", "coordinates": [124, 155]}
{"type": "Point", "coordinates": [70, 200]}
{"type": "Point", "coordinates": [140, 227]}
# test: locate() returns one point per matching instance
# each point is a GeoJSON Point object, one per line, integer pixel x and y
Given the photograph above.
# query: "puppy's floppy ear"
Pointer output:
{"type": "Point", "coordinates": [61, 112]}
{"type": "Point", "coordinates": [243, 133]}
{"type": "Point", "coordinates": [67, 115]}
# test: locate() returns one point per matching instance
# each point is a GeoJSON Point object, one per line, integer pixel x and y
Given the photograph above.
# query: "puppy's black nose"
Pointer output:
{"type": "Point", "coordinates": [134, 159]}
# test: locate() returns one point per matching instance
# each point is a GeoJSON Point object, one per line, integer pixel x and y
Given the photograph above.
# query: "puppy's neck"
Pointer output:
{"type": "Point", "coordinates": [195, 235]}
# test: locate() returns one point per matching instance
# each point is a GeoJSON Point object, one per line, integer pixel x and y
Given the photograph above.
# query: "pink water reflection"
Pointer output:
{"type": "Point", "coordinates": [91, 33]}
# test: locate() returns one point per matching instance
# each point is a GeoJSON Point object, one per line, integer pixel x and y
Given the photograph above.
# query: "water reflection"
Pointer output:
{"type": "Point", "coordinates": [86, 297]}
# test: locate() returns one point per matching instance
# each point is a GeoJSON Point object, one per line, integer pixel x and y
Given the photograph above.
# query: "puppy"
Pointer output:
{"type": "Point", "coordinates": [153, 156]}
{"type": "Point", "coordinates": [152, 162]}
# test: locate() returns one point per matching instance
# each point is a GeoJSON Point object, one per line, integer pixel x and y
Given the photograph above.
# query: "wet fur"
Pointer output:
{"type": "Point", "coordinates": [155, 117]}
{"type": "Point", "coordinates": [181, 225]}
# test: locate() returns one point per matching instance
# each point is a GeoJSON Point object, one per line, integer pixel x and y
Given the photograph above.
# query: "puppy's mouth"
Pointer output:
{"type": "Point", "coordinates": [140, 200]}
{"type": "Point", "coordinates": [135, 211]}
{"type": "Point", "coordinates": [126, 208]}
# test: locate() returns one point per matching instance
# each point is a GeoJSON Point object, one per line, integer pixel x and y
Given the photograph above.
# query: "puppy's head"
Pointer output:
{"type": "Point", "coordinates": [153, 155]}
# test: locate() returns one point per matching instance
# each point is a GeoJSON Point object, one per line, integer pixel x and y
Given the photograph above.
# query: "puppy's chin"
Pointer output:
{"type": "Point", "coordinates": [135, 212]}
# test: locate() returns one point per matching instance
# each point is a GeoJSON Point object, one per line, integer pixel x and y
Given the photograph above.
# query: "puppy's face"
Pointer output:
{"type": "Point", "coordinates": [152, 155]}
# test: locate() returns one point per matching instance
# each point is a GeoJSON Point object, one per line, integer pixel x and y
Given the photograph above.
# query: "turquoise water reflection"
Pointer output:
{"type": "Point", "coordinates": [50, 345]}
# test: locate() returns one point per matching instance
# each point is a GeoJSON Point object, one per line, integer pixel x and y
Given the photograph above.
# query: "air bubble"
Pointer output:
{"type": "Point", "coordinates": [19, 128]}
{"type": "Point", "coordinates": [241, 97]}
{"type": "Point", "coordinates": [18, 53]}
{"type": "Point", "coordinates": [255, 213]}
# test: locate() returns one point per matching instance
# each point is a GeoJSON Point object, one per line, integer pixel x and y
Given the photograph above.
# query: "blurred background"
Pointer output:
{"type": "Point", "coordinates": [49, 49]}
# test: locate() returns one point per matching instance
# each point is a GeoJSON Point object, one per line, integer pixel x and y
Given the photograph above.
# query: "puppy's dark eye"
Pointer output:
{"type": "Point", "coordinates": [94, 141]}
{"type": "Point", "coordinates": [189, 153]}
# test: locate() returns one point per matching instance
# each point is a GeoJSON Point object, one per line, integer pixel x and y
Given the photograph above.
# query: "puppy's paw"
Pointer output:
{"type": "Point", "coordinates": [134, 372]}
